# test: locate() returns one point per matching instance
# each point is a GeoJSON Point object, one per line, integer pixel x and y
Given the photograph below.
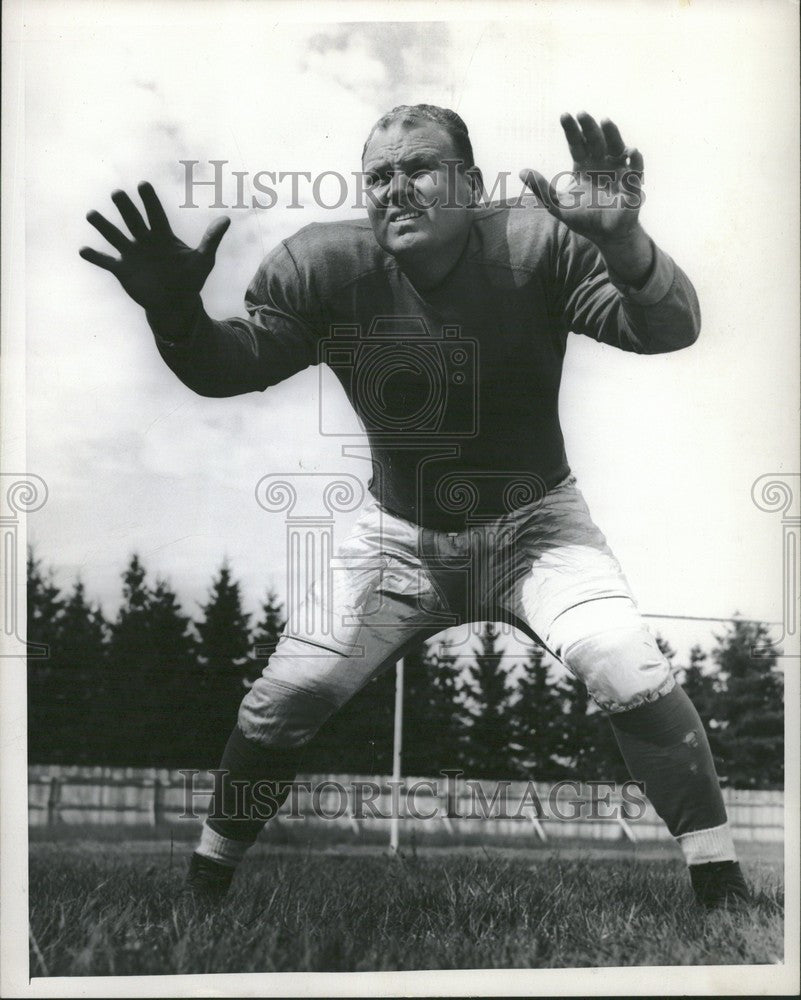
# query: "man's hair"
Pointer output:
{"type": "Point", "coordinates": [414, 114]}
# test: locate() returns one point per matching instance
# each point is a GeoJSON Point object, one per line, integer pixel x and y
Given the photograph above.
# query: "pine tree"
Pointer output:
{"type": "Point", "coordinates": [45, 607]}
{"type": "Point", "coordinates": [224, 632]}
{"type": "Point", "coordinates": [579, 728]}
{"type": "Point", "coordinates": [665, 648]}
{"type": "Point", "coordinates": [266, 635]}
{"type": "Point", "coordinates": [128, 692]}
{"type": "Point", "coordinates": [537, 722]}
{"type": "Point", "coordinates": [451, 722]}
{"type": "Point", "coordinates": [83, 632]}
{"type": "Point", "coordinates": [223, 652]}
{"type": "Point", "coordinates": [173, 642]}
{"type": "Point", "coordinates": [490, 752]}
{"type": "Point", "coordinates": [357, 739]}
{"type": "Point", "coordinates": [80, 686]}
{"type": "Point", "coordinates": [700, 686]}
{"type": "Point", "coordinates": [417, 726]}
{"type": "Point", "coordinates": [590, 745]}
{"type": "Point", "coordinates": [176, 697]}
{"type": "Point", "coordinates": [750, 707]}
{"type": "Point", "coordinates": [131, 633]}
{"type": "Point", "coordinates": [434, 727]}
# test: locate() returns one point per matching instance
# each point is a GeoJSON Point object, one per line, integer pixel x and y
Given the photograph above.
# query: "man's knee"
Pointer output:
{"type": "Point", "coordinates": [303, 684]}
{"type": "Point", "coordinates": [275, 714]}
{"type": "Point", "coordinates": [606, 645]}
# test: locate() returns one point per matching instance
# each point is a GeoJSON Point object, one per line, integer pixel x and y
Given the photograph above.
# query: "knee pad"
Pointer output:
{"type": "Point", "coordinates": [277, 714]}
{"type": "Point", "coordinates": [303, 683]}
{"type": "Point", "coordinates": [608, 647]}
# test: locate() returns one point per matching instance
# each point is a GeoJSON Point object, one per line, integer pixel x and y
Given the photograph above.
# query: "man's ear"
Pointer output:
{"type": "Point", "coordinates": [476, 181]}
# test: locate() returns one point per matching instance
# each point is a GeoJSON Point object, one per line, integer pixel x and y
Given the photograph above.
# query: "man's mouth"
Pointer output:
{"type": "Point", "coordinates": [406, 215]}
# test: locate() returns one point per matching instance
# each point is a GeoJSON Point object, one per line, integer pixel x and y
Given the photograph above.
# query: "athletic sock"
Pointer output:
{"type": "Point", "coordinates": [702, 847]}
{"type": "Point", "coordinates": [224, 850]}
{"type": "Point", "coordinates": [251, 784]}
{"type": "Point", "coordinates": [665, 747]}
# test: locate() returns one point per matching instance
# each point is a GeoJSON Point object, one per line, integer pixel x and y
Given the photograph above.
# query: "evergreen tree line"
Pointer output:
{"type": "Point", "coordinates": [154, 687]}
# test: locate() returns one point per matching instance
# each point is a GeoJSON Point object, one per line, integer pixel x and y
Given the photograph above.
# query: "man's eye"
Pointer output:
{"type": "Point", "coordinates": [374, 179]}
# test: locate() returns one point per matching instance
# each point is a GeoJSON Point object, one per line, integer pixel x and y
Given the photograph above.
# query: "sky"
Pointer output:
{"type": "Point", "coordinates": [665, 449]}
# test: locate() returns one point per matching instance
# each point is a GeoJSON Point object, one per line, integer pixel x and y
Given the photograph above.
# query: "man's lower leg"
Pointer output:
{"type": "Point", "coordinates": [665, 747]}
{"type": "Point", "coordinates": [252, 783]}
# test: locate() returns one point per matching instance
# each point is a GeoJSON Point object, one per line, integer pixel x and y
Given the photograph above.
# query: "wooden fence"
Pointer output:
{"type": "Point", "coordinates": [92, 796]}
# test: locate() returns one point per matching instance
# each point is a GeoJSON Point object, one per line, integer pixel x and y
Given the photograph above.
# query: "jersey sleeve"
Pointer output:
{"type": "Point", "coordinates": [661, 316]}
{"type": "Point", "coordinates": [233, 356]}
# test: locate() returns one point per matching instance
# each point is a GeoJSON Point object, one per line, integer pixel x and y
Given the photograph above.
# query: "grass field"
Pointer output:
{"type": "Point", "coordinates": [115, 909]}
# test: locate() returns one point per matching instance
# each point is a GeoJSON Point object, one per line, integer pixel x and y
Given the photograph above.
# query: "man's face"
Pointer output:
{"type": "Point", "coordinates": [416, 203]}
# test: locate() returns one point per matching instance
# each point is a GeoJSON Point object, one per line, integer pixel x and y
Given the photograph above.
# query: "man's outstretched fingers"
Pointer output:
{"type": "Point", "coordinates": [632, 178]}
{"type": "Point", "coordinates": [593, 136]}
{"type": "Point", "coordinates": [615, 146]}
{"type": "Point", "coordinates": [575, 140]}
{"type": "Point", "coordinates": [117, 239]}
{"type": "Point", "coordinates": [211, 238]}
{"type": "Point", "coordinates": [131, 215]}
{"type": "Point", "coordinates": [636, 162]}
{"type": "Point", "coordinates": [156, 215]}
{"type": "Point", "coordinates": [100, 259]}
{"type": "Point", "coordinates": [543, 190]}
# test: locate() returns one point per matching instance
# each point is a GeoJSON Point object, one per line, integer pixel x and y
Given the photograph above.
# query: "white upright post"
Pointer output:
{"type": "Point", "coordinates": [397, 740]}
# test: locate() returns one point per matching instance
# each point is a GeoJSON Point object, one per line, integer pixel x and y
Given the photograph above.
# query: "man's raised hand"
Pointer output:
{"type": "Point", "coordinates": [604, 199]}
{"type": "Point", "coordinates": [154, 267]}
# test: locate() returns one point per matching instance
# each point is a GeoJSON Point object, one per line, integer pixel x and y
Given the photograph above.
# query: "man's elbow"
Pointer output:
{"type": "Point", "coordinates": [205, 381]}
{"type": "Point", "coordinates": [690, 331]}
{"type": "Point", "coordinates": [206, 390]}
{"type": "Point", "coordinates": [219, 390]}
{"type": "Point", "coordinates": [675, 336]}
{"type": "Point", "coordinates": [689, 328]}
{"type": "Point", "coordinates": [199, 383]}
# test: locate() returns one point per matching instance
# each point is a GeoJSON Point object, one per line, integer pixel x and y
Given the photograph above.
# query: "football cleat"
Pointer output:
{"type": "Point", "coordinates": [719, 884]}
{"type": "Point", "coordinates": [208, 881]}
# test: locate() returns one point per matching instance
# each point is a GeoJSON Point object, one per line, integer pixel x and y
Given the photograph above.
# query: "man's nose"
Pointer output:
{"type": "Point", "coordinates": [398, 186]}
{"type": "Point", "coordinates": [405, 191]}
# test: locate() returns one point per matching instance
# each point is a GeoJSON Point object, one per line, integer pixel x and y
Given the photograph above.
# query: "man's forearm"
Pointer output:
{"type": "Point", "coordinates": [211, 357]}
{"type": "Point", "coordinates": [631, 258]}
{"type": "Point", "coordinates": [176, 322]}
{"type": "Point", "coordinates": [662, 314]}
{"type": "Point", "coordinates": [659, 313]}
{"type": "Point", "coordinates": [661, 308]}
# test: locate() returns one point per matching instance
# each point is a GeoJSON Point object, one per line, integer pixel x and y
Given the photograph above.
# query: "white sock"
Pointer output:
{"type": "Point", "coordinates": [222, 849]}
{"type": "Point", "coordinates": [703, 846]}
